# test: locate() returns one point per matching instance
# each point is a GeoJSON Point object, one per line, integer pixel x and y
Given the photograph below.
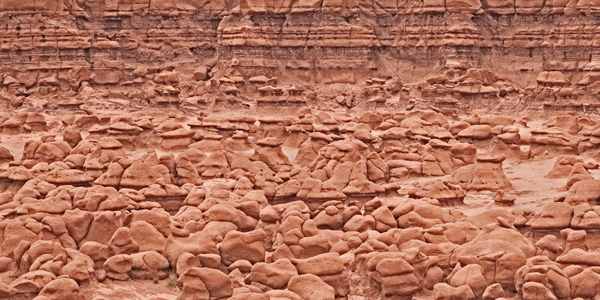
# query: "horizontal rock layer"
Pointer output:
{"type": "Point", "coordinates": [312, 42]}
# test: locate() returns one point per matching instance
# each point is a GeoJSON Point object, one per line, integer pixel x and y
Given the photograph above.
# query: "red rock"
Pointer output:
{"type": "Point", "coordinates": [147, 237]}
{"type": "Point", "coordinates": [310, 286]}
{"type": "Point", "coordinates": [323, 264]}
{"type": "Point", "coordinates": [217, 284]}
{"type": "Point", "coordinates": [196, 243]}
{"type": "Point", "coordinates": [122, 243]}
{"type": "Point", "coordinates": [33, 281]}
{"type": "Point", "coordinates": [95, 250]}
{"type": "Point", "coordinates": [249, 246]}
{"type": "Point", "coordinates": [485, 174]}
{"type": "Point", "coordinates": [185, 262]}
{"type": "Point", "coordinates": [553, 215]}
{"type": "Point", "coordinates": [479, 132]}
{"type": "Point", "coordinates": [400, 285]}
{"type": "Point", "coordinates": [584, 284]}
{"type": "Point", "coordinates": [585, 191]}
{"type": "Point", "coordinates": [274, 275]}
{"type": "Point", "coordinates": [5, 155]}
{"type": "Point", "coordinates": [7, 291]}
{"type": "Point", "coordinates": [61, 288]}
{"type": "Point", "coordinates": [149, 265]}
{"type": "Point", "coordinates": [536, 290]}
{"type": "Point", "coordinates": [443, 291]}
{"type": "Point", "coordinates": [471, 275]}
{"type": "Point", "coordinates": [119, 264]}
{"type": "Point", "coordinates": [140, 175]}
{"type": "Point", "coordinates": [102, 228]}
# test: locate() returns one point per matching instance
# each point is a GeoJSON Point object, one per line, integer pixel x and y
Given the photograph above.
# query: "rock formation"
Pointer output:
{"type": "Point", "coordinates": [299, 149]}
{"type": "Point", "coordinates": [66, 54]}
{"type": "Point", "coordinates": [316, 204]}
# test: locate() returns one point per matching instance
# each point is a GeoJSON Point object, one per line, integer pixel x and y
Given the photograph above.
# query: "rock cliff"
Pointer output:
{"type": "Point", "coordinates": [453, 53]}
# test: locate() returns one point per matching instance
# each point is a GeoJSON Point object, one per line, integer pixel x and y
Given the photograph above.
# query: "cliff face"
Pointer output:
{"type": "Point", "coordinates": [512, 52]}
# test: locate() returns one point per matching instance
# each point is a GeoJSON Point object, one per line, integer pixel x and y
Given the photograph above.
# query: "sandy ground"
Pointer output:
{"type": "Point", "coordinates": [16, 143]}
{"type": "Point", "coordinates": [533, 191]}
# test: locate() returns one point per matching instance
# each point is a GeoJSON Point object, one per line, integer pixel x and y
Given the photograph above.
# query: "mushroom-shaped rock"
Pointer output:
{"type": "Point", "coordinates": [485, 174]}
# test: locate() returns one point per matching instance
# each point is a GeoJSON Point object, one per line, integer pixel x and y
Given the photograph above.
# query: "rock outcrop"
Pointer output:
{"type": "Point", "coordinates": [268, 52]}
